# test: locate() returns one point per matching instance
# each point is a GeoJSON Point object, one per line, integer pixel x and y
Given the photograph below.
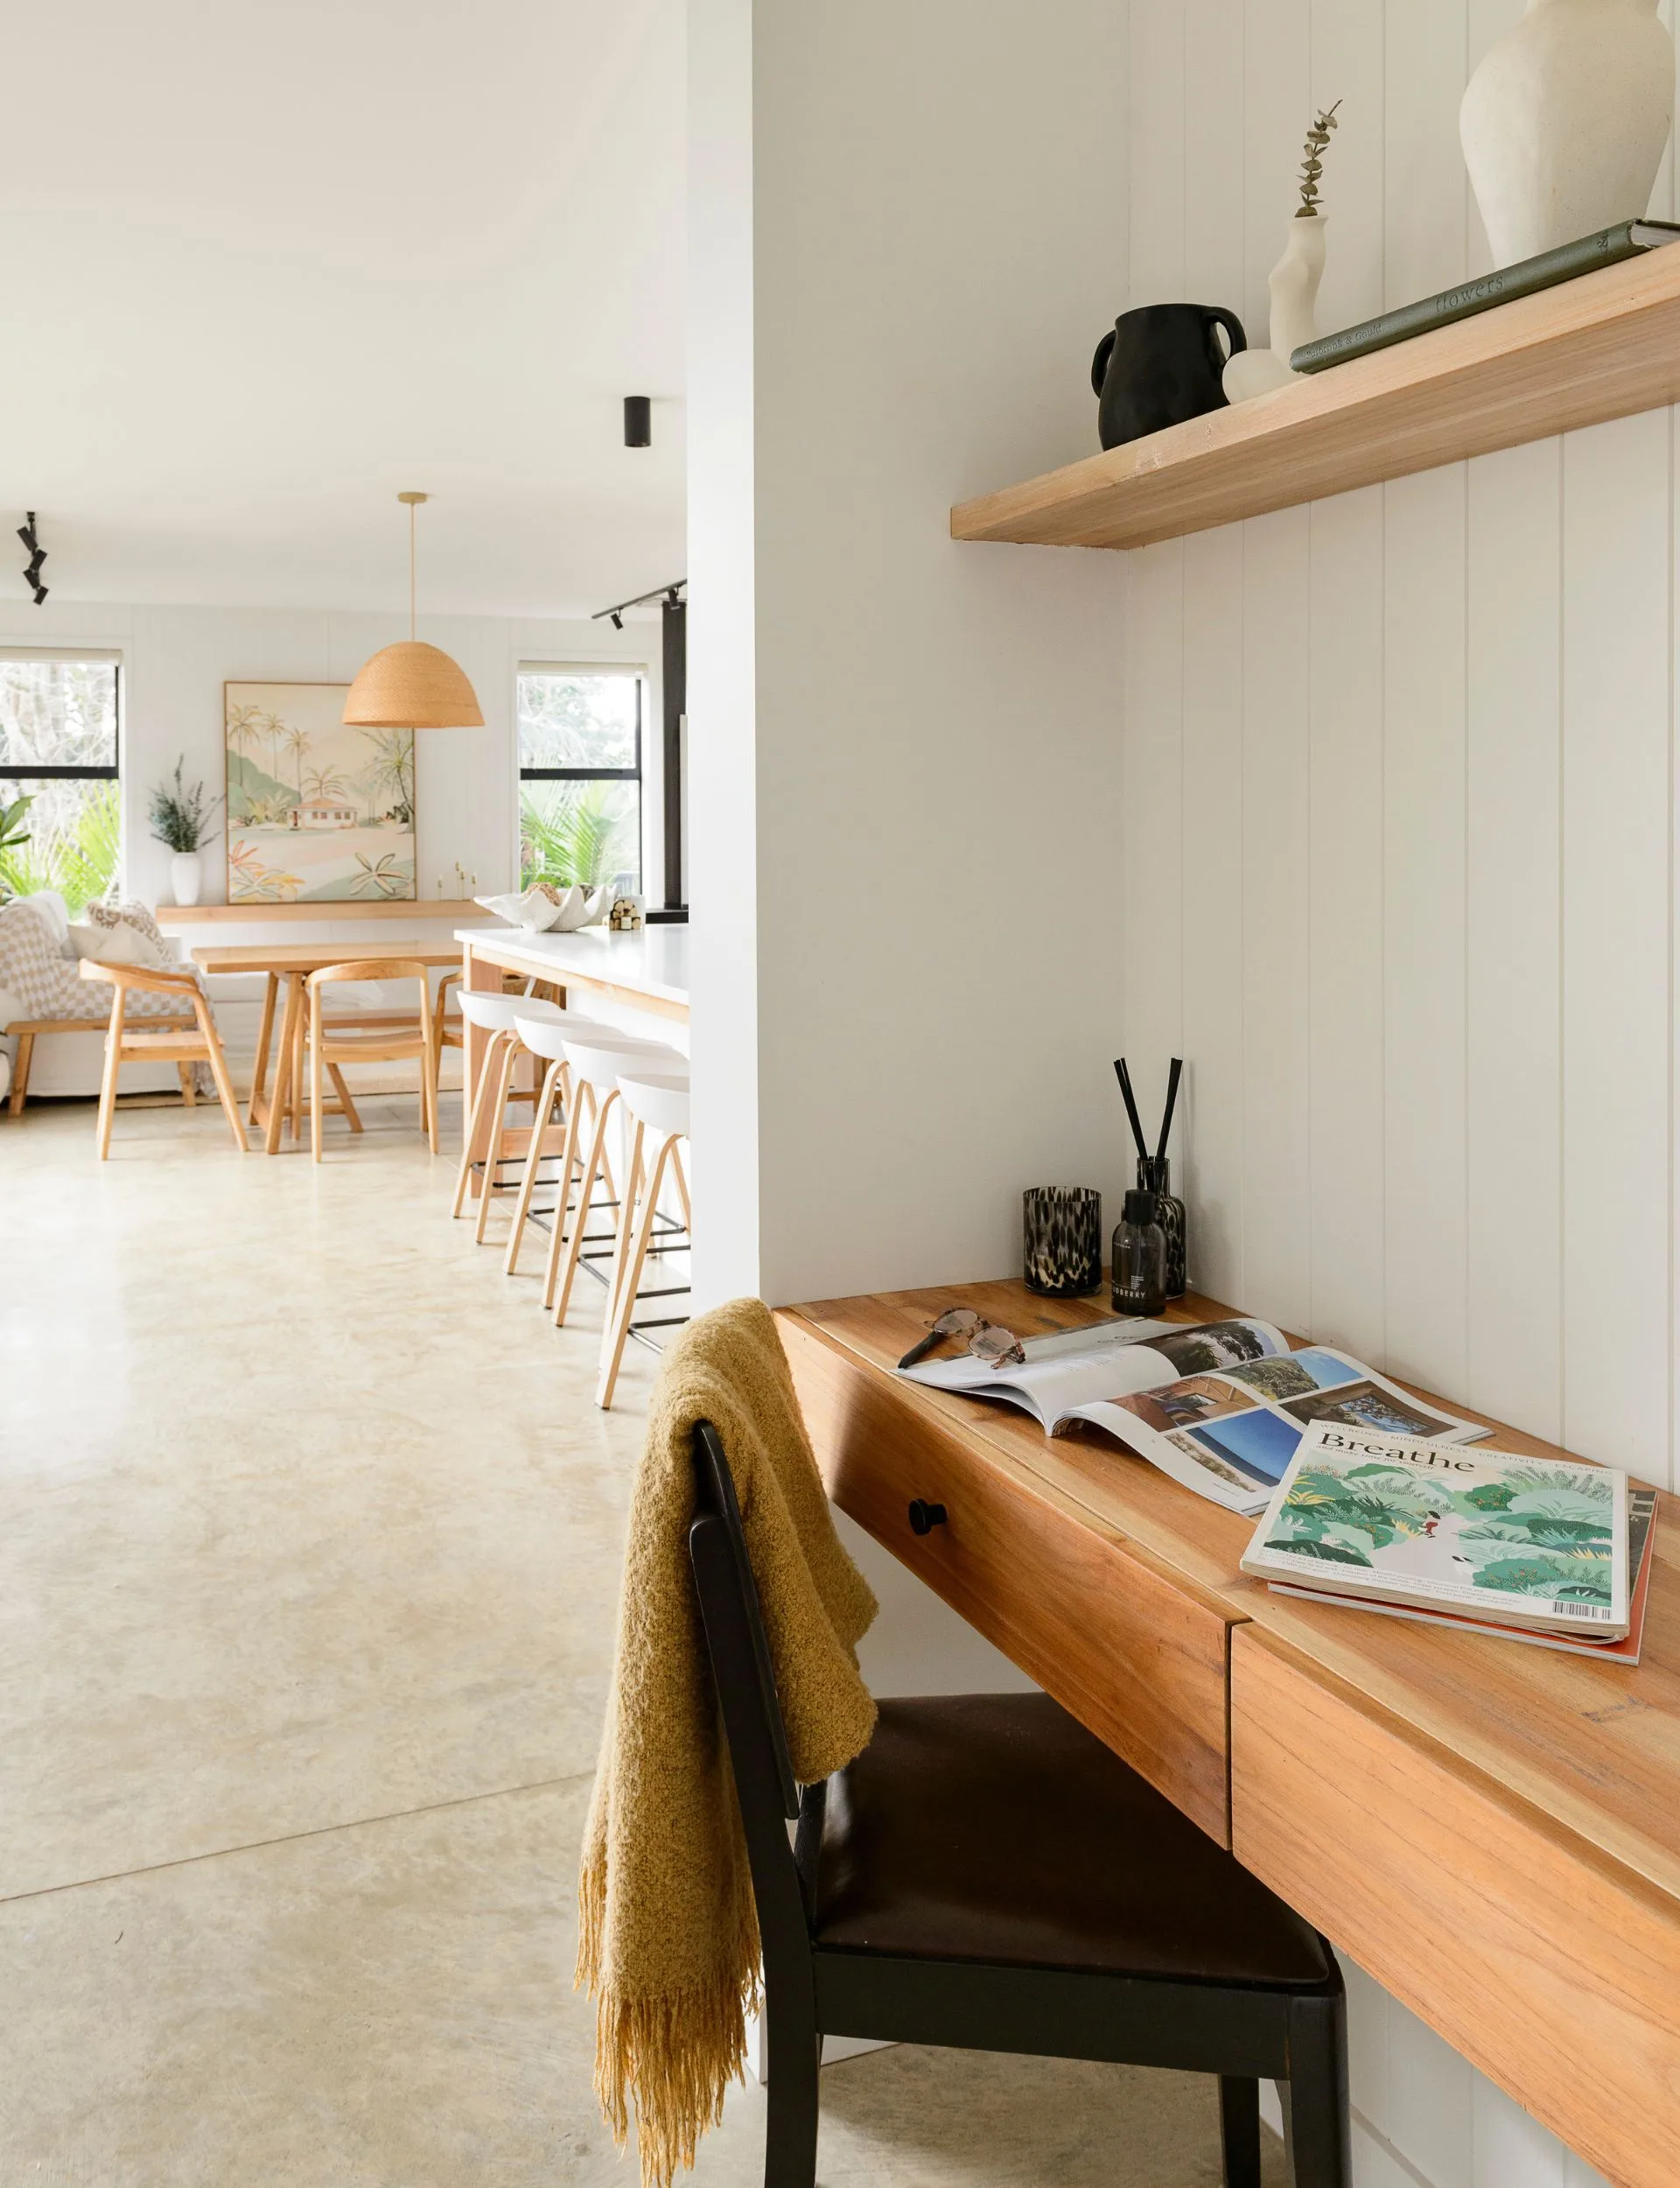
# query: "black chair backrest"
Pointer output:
{"type": "Point", "coordinates": [746, 1696]}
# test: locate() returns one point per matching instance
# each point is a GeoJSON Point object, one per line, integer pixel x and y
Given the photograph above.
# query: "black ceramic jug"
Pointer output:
{"type": "Point", "coordinates": [1160, 366]}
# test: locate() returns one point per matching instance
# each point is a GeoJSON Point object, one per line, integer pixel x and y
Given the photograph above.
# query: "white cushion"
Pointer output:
{"type": "Point", "coordinates": [121, 944]}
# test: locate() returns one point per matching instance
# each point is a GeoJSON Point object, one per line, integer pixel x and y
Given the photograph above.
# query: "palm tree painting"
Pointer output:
{"type": "Point", "coordinates": [378, 877]}
{"type": "Point", "coordinates": [388, 774]}
{"type": "Point", "coordinates": [342, 799]}
{"type": "Point", "coordinates": [296, 740]}
{"type": "Point", "coordinates": [323, 782]}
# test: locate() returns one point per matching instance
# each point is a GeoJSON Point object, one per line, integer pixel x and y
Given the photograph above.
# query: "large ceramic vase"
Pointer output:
{"type": "Point", "coordinates": [1565, 121]}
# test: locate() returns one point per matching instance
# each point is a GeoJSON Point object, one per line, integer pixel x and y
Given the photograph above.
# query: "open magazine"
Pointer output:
{"type": "Point", "coordinates": [1220, 1406]}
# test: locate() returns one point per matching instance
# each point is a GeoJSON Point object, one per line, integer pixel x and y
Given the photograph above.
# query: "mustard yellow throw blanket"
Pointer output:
{"type": "Point", "coordinates": [669, 1941]}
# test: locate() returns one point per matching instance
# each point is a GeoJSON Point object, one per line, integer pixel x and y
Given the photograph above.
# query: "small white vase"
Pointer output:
{"type": "Point", "coordinates": [1294, 285]}
{"type": "Point", "coordinates": [1563, 123]}
{"type": "Point", "coordinates": [186, 876]}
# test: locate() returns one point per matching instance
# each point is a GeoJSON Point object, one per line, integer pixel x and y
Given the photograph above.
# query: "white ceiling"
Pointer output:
{"type": "Point", "coordinates": [263, 263]}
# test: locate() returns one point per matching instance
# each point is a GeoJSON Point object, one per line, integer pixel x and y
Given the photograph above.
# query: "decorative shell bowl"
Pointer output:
{"type": "Point", "coordinates": [545, 909]}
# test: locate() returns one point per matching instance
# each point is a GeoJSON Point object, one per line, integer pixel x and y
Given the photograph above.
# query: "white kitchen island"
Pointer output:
{"type": "Point", "coordinates": [646, 970]}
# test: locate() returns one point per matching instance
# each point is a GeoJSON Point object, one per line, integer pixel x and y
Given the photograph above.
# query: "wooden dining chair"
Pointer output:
{"type": "Point", "coordinates": [394, 1037]}
{"type": "Point", "coordinates": [988, 1875]}
{"type": "Point", "coordinates": [446, 1032]}
{"type": "Point", "coordinates": [182, 1041]}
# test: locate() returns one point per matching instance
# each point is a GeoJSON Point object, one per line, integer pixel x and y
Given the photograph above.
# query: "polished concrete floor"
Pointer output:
{"type": "Point", "coordinates": [309, 1544]}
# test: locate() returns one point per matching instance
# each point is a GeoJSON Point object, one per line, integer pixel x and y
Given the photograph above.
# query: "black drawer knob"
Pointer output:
{"type": "Point", "coordinates": [924, 1516]}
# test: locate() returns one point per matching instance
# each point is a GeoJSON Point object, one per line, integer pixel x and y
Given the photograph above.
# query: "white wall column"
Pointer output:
{"type": "Point", "coordinates": [908, 230]}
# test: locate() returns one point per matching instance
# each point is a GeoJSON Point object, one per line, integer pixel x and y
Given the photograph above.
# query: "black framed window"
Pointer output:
{"type": "Point", "coordinates": [61, 745]}
{"type": "Point", "coordinates": [580, 751]}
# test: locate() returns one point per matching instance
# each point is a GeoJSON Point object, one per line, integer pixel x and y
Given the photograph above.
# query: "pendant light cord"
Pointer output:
{"type": "Point", "coordinates": [411, 625]}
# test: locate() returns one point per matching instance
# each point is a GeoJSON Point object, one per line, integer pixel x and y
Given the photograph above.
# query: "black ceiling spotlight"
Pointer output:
{"type": "Point", "coordinates": [668, 595]}
{"type": "Point", "coordinates": [638, 421]}
{"type": "Point", "coordinates": [36, 557]}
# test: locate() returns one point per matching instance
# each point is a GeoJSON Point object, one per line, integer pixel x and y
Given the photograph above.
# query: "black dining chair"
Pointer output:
{"type": "Point", "coordinates": [988, 1875]}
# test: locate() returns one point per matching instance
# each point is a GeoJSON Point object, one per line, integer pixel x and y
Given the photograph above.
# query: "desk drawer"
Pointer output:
{"type": "Point", "coordinates": [1547, 1963]}
{"type": "Point", "coordinates": [1139, 1660]}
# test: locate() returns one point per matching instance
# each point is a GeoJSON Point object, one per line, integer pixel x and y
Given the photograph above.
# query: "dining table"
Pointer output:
{"type": "Point", "coordinates": [290, 964]}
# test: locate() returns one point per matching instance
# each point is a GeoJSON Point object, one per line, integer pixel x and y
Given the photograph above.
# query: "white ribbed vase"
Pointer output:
{"type": "Point", "coordinates": [1563, 123]}
{"type": "Point", "coordinates": [186, 876]}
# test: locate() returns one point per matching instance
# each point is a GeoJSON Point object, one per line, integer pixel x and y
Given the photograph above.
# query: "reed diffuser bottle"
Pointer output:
{"type": "Point", "coordinates": [1139, 1271]}
{"type": "Point", "coordinates": [1155, 1176]}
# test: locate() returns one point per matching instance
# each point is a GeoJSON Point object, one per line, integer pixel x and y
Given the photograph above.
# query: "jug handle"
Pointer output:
{"type": "Point", "coordinates": [1216, 315]}
{"type": "Point", "coordinates": [1100, 363]}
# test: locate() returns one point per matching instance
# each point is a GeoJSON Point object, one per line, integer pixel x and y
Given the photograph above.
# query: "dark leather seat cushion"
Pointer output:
{"type": "Point", "coordinates": [995, 1827]}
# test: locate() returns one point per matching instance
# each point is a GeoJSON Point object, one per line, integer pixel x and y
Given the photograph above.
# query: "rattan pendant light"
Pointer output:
{"type": "Point", "coordinates": [412, 686]}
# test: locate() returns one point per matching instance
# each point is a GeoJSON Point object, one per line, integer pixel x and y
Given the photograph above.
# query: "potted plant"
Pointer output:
{"type": "Point", "coordinates": [11, 835]}
{"type": "Point", "coordinates": [180, 819]}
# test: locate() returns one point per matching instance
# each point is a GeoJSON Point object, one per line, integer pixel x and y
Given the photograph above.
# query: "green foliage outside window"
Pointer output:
{"type": "Point", "coordinates": [73, 845]}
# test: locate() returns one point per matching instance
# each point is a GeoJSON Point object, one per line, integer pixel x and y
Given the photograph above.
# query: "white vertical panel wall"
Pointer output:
{"type": "Point", "coordinates": [1399, 836]}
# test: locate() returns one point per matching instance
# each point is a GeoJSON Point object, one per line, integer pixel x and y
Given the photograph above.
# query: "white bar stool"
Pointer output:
{"type": "Point", "coordinates": [595, 1063]}
{"type": "Point", "coordinates": [660, 1104]}
{"type": "Point", "coordinates": [544, 1036]}
{"type": "Point", "coordinates": [495, 1014]}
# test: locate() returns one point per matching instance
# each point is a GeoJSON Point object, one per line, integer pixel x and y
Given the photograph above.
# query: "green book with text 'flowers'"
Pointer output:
{"type": "Point", "coordinates": [1537, 1543]}
{"type": "Point", "coordinates": [1628, 239]}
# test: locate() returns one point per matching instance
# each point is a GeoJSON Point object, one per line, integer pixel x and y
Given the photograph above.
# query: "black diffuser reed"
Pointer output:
{"type": "Point", "coordinates": [1155, 1172]}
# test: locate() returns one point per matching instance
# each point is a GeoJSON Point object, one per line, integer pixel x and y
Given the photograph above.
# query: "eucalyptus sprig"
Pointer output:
{"type": "Point", "coordinates": [1313, 165]}
{"type": "Point", "coordinates": [180, 814]}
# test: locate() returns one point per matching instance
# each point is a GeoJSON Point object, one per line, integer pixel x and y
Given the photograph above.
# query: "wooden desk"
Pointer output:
{"type": "Point", "coordinates": [1492, 1830]}
{"type": "Point", "coordinates": [293, 961]}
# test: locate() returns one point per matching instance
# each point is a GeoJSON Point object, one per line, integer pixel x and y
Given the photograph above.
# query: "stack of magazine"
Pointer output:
{"type": "Point", "coordinates": [1531, 1549]}
{"type": "Point", "coordinates": [1369, 1497]}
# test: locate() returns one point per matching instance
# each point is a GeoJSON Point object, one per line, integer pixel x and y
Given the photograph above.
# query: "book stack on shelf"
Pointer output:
{"type": "Point", "coordinates": [1529, 1549]}
{"type": "Point", "coordinates": [1628, 239]}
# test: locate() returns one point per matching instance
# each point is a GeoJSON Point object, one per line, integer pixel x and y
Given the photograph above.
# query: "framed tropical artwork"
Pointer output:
{"type": "Point", "coordinates": [317, 813]}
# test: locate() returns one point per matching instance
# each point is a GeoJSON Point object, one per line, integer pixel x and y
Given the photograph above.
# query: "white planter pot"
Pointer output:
{"type": "Point", "coordinates": [1563, 123]}
{"type": "Point", "coordinates": [186, 876]}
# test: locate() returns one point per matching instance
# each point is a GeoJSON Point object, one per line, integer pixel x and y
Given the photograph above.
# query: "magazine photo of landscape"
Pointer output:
{"type": "Point", "coordinates": [317, 812]}
{"type": "Point", "coordinates": [1202, 1350]}
{"type": "Point", "coordinates": [1244, 1424]}
{"type": "Point", "coordinates": [1297, 1374]}
{"type": "Point", "coordinates": [1365, 1405]}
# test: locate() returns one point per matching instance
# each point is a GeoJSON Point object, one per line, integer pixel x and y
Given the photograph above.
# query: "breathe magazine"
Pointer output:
{"type": "Point", "coordinates": [1220, 1406]}
{"type": "Point", "coordinates": [1513, 1541]}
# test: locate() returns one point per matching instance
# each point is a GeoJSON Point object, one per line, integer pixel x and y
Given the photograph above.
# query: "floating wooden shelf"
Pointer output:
{"type": "Point", "coordinates": [458, 909]}
{"type": "Point", "coordinates": [1601, 347]}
